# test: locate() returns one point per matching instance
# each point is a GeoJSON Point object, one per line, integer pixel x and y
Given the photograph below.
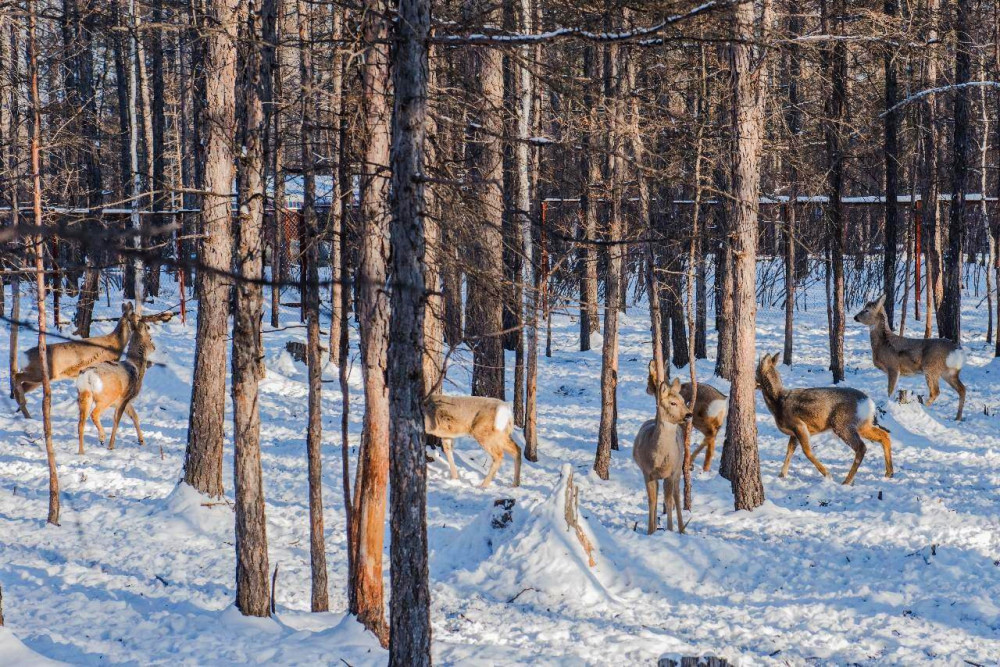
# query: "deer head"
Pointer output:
{"type": "Point", "coordinates": [873, 313]}
{"type": "Point", "coordinates": [768, 380]}
{"type": "Point", "coordinates": [670, 404]}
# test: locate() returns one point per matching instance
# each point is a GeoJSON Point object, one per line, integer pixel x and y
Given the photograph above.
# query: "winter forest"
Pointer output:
{"type": "Point", "coordinates": [499, 332]}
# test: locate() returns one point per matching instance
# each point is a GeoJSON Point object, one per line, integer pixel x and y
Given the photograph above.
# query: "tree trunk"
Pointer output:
{"type": "Point", "coordinates": [410, 639]}
{"type": "Point", "coordinates": [203, 458]}
{"type": "Point", "coordinates": [724, 278]}
{"type": "Point", "coordinates": [950, 310]}
{"type": "Point", "coordinates": [891, 147]}
{"type": "Point", "coordinates": [793, 118]}
{"type": "Point", "coordinates": [336, 215]}
{"type": "Point", "coordinates": [309, 279]}
{"type": "Point", "coordinates": [373, 466]}
{"type": "Point", "coordinates": [39, 254]}
{"type": "Point", "coordinates": [159, 129]}
{"type": "Point", "coordinates": [11, 61]}
{"type": "Point", "coordinates": [836, 113]}
{"type": "Point", "coordinates": [591, 173]}
{"type": "Point", "coordinates": [485, 175]}
{"type": "Point", "coordinates": [748, 129]}
{"type": "Point", "coordinates": [932, 229]}
{"type": "Point", "coordinates": [607, 438]}
{"type": "Point", "coordinates": [253, 590]}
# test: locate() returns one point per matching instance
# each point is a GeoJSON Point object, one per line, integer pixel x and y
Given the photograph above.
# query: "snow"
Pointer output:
{"type": "Point", "coordinates": [900, 571]}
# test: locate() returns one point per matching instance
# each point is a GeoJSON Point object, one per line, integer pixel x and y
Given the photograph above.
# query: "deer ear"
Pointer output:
{"type": "Point", "coordinates": [881, 301]}
{"type": "Point", "coordinates": [675, 386]}
{"type": "Point", "coordinates": [774, 359]}
{"type": "Point", "coordinates": [126, 307]}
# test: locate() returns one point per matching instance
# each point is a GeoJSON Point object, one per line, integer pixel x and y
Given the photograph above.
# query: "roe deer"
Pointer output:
{"type": "Point", "coordinates": [115, 384]}
{"type": "Point", "coordinates": [488, 420]}
{"type": "Point", "coordinates": [69, 359]}
{"type": "Point", "coordinates": [659, 453]}
{"type": "Point", "coordinates": [800, 413]}
{"type": "Point", "coordinates": [895, 355]}
{"type": "Point", "coordinates": [710, 409]}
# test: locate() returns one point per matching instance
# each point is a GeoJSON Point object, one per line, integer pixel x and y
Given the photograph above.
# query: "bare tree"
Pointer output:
{"type": "Point", "coordinates": [38, 248]}
{"type": "Point", "coordinates": [749, 95]}
{"type": "Point", "coordinates": [410, 637]}
{"type": "Point", "coordinates": [950, 310]}
{"type": "Point", "coordinates": [252, 586]}
{"type": "Point", "coordinates": [607, 437]}
{"type": "Point", "coordinates": [373, 465]}
{"type": "Point", "coordinates": [203, 458]}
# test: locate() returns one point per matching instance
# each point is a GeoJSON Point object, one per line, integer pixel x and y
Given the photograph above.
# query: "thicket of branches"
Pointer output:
{"type": "Point", "coordinates": [539, 157]}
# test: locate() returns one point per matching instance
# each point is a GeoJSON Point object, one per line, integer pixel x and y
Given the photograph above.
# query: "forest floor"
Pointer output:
{"type": "Point", "coordinates": [900, 571]}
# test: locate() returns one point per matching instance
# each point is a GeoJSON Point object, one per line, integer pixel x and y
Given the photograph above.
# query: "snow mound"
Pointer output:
{"type": "Point", "coordinates": [538, 555]}
{"type": "Point", "coordinates": [13, 652]}
{"type": "Point", "coordinates": [188, 511]}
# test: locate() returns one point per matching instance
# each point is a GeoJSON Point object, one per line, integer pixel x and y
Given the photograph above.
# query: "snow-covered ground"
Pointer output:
{"type": "Point", "coordinates": [899, 571]}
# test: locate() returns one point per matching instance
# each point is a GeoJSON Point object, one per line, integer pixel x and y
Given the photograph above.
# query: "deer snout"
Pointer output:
{"type": "Point", "coordinates": [857, 318]}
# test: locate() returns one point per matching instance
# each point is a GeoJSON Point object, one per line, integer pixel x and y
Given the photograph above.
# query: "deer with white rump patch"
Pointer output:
{"type": "Point", "coordinates": [488, 420]}
{"type": "Point", "coordinates": [659, 453]}
{"type": "Point", "coordinates": [67, 360]}
{"type": "Point", "coordinates": [801, 413]}
{"type": "Point", "coordinates": [894, 355]}
{"type": "Point", "coordinates": [710, 409]}
{"type": "Point", "coordinates": [115, 384]}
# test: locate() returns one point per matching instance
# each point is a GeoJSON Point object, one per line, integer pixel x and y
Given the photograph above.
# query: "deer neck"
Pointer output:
{"type": "Point", "coordinates": [773, 392]}
{"type": "Point", "coordinates": [879, 332]}
{"type": "Point", "coordinates": [137, 355]}
{"type": "Point", "coordinates": [121, 334]}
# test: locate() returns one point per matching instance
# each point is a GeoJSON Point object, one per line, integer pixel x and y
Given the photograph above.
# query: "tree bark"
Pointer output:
{"type": "Point", "coordinates": [485, 175]}
{"type": "Point", "coordinates": [950, 310]}
{"type": "Point", "coordinates": [836, 117]}
{"type": "Point", "coordinates": [373, 467]}
{"type": "Point", "coordinates": [203, 458]}
{"type": "Point", "coordinates": [39, 254]}
{"type": "Point", "coordinates": [253, 591]}
{"type": "Point", "coordinates": [607, 437]}
{"type": "Point", "coordinates": [891, 147]}
{"type": "Point", "coordinates": [410, 637]}
{"type": "Point", "coordinates": [591, 173]}
{"type": "Point", "coordinates": [748, 129]}
{"type": "Point", "coordinates": [793, 119]}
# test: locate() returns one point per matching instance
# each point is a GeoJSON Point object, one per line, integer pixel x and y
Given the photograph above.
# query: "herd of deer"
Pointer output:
{"type": "Point", "coordinates": [798, 413]}
{"type": "Point", "coordinates": [104, 380]}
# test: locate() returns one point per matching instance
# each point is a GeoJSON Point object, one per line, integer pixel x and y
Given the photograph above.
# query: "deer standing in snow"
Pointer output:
{"type": "Point", "coordinates": [659, 453]}
{"type": "Point", "coordinates": [800, 413]}
{"type": "Point", "coordinates": [710, 409]}
{"type": "Point", "coordinates": [67, 360]}
{"type": "Point", "coordinates": [488, 420]}
{"type": "Point", "coordinates": [895, 355]}
{"type": "Point", "coordinates": [115, 384]}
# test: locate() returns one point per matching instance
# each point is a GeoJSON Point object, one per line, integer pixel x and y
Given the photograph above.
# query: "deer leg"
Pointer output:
{"type": "Point", "coordinates": [652, 486]}
{"type": "Point", "coordinates": [792, 444]}
{"type": "Point", "coordinates": [709, 442]}
{"type": "Point", "coordinates": [853, 439]}
{"type": "Point", "coordinates": [497, 460]}
{"type": "Point", "coordinates": [511, 448]}
{"type": "Point", "coordinates": [83, 401]}
{"type": "Point", "coordinates": [880, 435]}
{"type": "Point", "coordinates": [677, 506]}
{"type": "Point", "coordinates": [448, 444]}
{"type": "Point", "coordinates": [669, 501]}
{"type": "Point", "coordinates": [956, 383]}
{"type": "Point", "coordinates": [893, 375]}
{"type": "Point", "coordinates": [934, 387]}
{"type": "Point", "coordinates": [95, 416]}
{"type": "Point", "coordinates": [802, 433]}
{"type": "Point", "coordinates": [135, 420]}
{"type": "Point", "coordinates": [119, 411]}
{"type": "Point", "coordinates": [24, 388]}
